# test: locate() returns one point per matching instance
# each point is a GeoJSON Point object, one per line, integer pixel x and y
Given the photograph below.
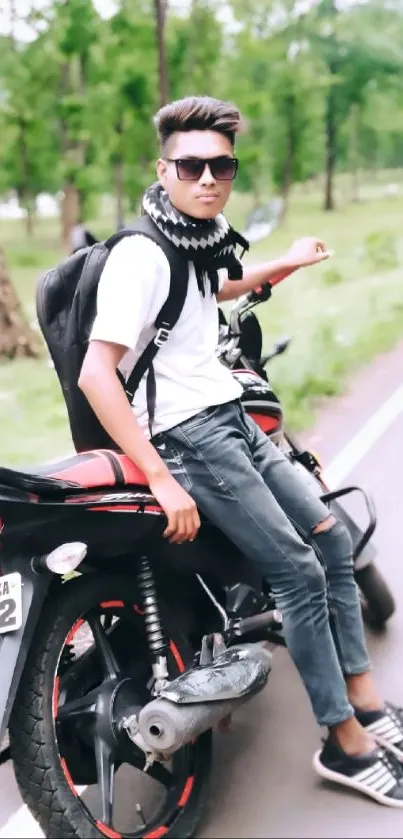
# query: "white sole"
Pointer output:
{"type": "Point", "coordinates": [345, 781]}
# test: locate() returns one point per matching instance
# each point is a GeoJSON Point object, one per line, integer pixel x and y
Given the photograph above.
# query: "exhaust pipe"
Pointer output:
{"type": "Point", "coordinates": [166, 725]}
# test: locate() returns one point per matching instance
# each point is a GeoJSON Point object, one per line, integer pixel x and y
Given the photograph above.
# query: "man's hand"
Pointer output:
{"type": "Point", "coordinates": [179, 508]}
{"type": "Point", "coordinates": [306, 251]}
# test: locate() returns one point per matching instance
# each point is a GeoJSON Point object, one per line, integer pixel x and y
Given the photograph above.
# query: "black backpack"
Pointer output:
{"type": "Point", "coordinates": [66, 307]}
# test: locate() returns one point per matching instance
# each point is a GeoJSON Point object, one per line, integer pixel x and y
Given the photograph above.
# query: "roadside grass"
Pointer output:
{"type": "Point", "coordinates": [340, 314]}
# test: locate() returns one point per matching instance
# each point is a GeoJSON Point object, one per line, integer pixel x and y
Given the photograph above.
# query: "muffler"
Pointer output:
{"type": "Point", "coordinates": [168, 724]}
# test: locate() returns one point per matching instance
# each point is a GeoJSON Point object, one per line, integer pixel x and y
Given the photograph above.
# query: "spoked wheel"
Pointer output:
{"type": "Point", "coordinates": [77, 769]}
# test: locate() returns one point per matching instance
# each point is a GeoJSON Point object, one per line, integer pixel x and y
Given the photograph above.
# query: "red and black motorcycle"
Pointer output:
{"type": "Point", "coordinates": [119, 652]}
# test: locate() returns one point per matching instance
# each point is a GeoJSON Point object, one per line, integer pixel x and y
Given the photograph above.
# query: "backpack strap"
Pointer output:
{"type": "Point", "coordinates": [167, 317]}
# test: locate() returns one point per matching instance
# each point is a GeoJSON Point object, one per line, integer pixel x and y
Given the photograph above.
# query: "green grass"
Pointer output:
{"type": "Point", "coordinates": [340, 314]}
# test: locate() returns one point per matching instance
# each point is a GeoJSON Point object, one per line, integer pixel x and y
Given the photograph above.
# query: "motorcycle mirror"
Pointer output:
{"type": "Point", "coordinates": [258, 231]}
{"type": "Point", "coordinates": [263, 219]}
{"type": "Point", "coordinates": [281, 346]}
{"type": "Point", "coordinates": [278, 349]}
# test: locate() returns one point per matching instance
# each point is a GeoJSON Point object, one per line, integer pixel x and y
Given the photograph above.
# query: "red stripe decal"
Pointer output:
{"type": "Point", "coordinates": [117, 508]}
{"type": "Point", "coordinates": [248, 371]}
{"type": "Point", "coordinates": [264, 422]}
{"type": "Point", "coordinates": [107, 831]}
{"type": "Point", "coordinates": [68, 776]}
{"type": "Point", "coordinates": [155, 834]}
{"type": "Point", "coordinates": [74, 629]}
{"type": "Point", "coordinates": [112, 604]}
{"type": "Point", "coordinates": [187, 789]}
{"type": "Point", "coordinates": [55, 697]}
{"type": "Point", "coordinates": [177, 656]}
{"type": "Point", "coordinates": [127, 508]}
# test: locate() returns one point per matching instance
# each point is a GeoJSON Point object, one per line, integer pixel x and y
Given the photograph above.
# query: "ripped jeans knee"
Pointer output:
{"type": "Point", "coordinates": [334, 542]}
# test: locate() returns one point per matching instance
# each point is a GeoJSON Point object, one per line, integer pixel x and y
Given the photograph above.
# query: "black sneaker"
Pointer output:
{"type": "Point", "coordinates": [378, 774]}
{"type": "Point", "coordinates": [386, 726]}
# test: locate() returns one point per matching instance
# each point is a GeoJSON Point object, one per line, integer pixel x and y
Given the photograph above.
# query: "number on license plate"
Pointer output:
{"type": "Point", "coordinates": [10, 602]}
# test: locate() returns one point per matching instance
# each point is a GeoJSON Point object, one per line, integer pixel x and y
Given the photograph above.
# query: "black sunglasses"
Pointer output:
{"type": "Point", "coordinates": [191, 168]}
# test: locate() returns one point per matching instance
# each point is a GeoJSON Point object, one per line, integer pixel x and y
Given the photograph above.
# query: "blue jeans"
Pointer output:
{"type": "Point", "coordinates": [248, 488]}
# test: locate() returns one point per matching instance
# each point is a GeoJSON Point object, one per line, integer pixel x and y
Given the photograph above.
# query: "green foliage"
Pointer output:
{"type": "Point", "coordinates": [380, 250]}
{"type": "Point", "coordinates": [77, 101]}
{"type": "Point", "coordinates": [332, 276]}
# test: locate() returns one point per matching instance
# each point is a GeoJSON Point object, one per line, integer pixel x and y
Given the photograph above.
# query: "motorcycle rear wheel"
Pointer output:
{"type": "Point", "coordinates": [60, 744]}
{"type": "Point", "coordinates": [378, 603]}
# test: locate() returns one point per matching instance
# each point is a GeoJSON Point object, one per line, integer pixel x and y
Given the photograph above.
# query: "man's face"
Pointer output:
{"type": "Point", "coordinates": [206, 197]}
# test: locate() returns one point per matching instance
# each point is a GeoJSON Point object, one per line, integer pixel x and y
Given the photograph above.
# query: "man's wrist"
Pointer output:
{"type": "Point", "coordinates": [156, 471]}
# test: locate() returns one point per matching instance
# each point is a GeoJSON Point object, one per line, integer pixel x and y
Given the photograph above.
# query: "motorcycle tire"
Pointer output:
{"type": "Point", "coordinates": [54, 750]}
{"type": "Point", "coordinates": [378, 603]}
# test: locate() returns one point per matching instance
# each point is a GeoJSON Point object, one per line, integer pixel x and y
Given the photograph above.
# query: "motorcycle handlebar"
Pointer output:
{"type": "Point", "coordinates": [260, 294]}
{"type": "Point", "coordinates": [257, 295]}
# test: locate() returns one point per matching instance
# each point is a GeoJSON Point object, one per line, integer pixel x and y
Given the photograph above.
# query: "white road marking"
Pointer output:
{"type": "Point", "coordinates": [346, 461]}
{"type": "Point", "coordinates": [16, 821]}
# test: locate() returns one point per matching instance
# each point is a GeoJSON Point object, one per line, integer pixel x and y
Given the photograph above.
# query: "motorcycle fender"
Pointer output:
{"type": "Point", "coordinates": [15, 645]}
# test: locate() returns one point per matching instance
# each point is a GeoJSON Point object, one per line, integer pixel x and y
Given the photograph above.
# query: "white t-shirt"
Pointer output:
{"type": "Point", "coordinates": [133, 287]}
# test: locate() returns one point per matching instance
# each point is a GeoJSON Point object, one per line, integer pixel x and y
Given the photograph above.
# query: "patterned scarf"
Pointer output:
{"type": "Point", "coordinates": [210, 244]}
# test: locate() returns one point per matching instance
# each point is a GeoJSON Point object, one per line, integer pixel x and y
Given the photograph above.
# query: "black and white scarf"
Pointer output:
{"type": "Point", "coordinates": [210, 244]}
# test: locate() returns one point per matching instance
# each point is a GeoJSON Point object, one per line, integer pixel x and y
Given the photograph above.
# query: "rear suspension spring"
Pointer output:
{"type": "Point", "coordinates": [155, 636]}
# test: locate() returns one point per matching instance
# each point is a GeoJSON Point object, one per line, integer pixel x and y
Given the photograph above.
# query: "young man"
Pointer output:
{"type": "Point", "coordinates": [205, 453]}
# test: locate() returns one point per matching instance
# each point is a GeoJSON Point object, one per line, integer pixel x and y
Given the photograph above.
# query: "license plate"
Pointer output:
{"type": "Point", "coordinates": [10, 602]}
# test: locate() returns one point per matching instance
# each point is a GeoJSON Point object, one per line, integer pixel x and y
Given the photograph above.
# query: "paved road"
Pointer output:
{"type": "Point", "coordinates": [263, 784]}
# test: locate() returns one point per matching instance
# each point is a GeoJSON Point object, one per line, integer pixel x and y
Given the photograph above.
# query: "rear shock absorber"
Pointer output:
{"type": "Point", "coordinates": [157, 643]}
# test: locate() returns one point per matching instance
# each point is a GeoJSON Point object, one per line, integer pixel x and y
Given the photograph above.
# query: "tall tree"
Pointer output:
{"type": "Point", "coordinates": [75, 30]}
{"type": "Point", "coordinates": [123, 100]}
{"type": "Point", "coordinates": [160, 17]}
{"type": "Point", "coordinates": [356, 45]}
{"type": "Point", "coordinates": [28, 153]}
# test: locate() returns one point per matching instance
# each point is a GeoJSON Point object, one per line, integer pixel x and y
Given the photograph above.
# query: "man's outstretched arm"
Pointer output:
{"type": "Point", "coordinates": [303, 252]}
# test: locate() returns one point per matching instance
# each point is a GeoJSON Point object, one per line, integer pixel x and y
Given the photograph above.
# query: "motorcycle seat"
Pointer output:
{"type": "Point", "coordinates": [88, 470]}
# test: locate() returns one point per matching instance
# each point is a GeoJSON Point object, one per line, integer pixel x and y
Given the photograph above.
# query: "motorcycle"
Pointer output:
{"type": "Point", "coordinates": [241, 349]}
{"type": "Point", "coordinates": [120, 652]}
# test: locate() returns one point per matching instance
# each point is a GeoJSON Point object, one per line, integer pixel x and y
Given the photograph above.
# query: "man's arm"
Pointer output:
{"type": "Point", "coordinates": [302, 253]}
{"type": "Point", "coordinates": [101, 386]}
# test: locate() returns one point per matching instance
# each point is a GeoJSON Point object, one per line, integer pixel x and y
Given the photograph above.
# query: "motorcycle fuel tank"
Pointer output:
{"type": "Point", "coordinates": [260, 401]}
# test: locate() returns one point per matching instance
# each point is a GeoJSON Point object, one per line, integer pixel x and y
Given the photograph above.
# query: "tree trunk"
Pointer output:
{"type": "Point", "coordinates": [332, 101]}
{"type": "Point", "coordinates": [120, 212]}
{"type": "Point", "coordinates": [119, 175]}
{"type": "Point", "coordinates": [72, 80]}
{"type": "Point", "coordinates": [70, 212]}
{"type": "Point", "coordinates": [27, 200]}
{"type": "Point", "coordinates": [25, 197]}
{"type": "Point", "coordinates": [331, 138]}
{"type": "Point", "coordinates": [160, 11]}
{"type": "Point", "coordinates": [354, 154]}
{"type": "Point", "coordinates": [190, 58]}
{"type": "Point", "coordinates": [16, 337]}
{"type": "Point", "coordinates": [30, 217]}
{"type": "Point", "coordinates": [288, 169]}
